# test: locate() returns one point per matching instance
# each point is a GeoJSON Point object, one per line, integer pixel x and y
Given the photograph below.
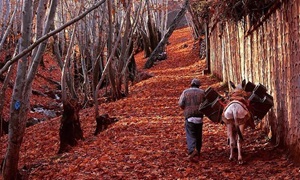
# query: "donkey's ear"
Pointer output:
{"type": "Point", "coordinates": [243, 83]}
{"type": "Point", "coordinates": [232, 84]}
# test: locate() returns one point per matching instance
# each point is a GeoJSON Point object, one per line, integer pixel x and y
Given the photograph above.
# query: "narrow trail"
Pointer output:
{"type": "Point", "coordinates": [148, 141]}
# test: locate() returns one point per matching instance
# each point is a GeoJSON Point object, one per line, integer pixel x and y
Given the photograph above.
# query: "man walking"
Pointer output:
{"type": "Point", "coordinates": [189, 101]}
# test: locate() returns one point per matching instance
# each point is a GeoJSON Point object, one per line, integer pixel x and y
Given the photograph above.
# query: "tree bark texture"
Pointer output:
{"type": "Point", "coordinates": [70, 129]}
{"type": "Point", "coordinates": [19, 103]}
{"type": "Point", "coordinates": [66, 80]}
{"type": "Point", "coordinates": [146, 44]}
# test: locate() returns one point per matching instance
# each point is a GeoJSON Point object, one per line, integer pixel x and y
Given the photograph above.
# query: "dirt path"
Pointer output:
{"type": "Point", "coordinates": [148, 141]}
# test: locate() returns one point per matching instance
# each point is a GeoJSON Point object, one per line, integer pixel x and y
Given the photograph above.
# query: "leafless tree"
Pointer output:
{"type": "Point", "coordinates": [70, 129]}
{"type": "Point", "coordinates": [19, 105]}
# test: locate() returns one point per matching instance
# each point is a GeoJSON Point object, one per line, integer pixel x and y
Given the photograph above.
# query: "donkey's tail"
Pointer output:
{"type": "Point", "coordinates": [237, 127]}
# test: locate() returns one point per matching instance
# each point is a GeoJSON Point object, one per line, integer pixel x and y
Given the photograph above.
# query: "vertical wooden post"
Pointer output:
{"type": "Point", "coordinates": [207, 44]}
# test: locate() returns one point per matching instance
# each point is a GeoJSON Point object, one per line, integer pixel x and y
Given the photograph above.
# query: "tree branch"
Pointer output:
{"type": "Point", "coordinates": [46, 36]}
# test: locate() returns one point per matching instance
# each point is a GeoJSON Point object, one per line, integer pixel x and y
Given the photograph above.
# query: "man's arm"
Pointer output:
{"type": "Point", "coordinates": [181, 101]}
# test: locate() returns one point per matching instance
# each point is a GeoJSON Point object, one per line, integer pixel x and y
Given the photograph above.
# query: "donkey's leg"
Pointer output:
{"type": "Point", "coordinates": [239, 144]}
{"type": "Point", "coordinates": [231, 140]}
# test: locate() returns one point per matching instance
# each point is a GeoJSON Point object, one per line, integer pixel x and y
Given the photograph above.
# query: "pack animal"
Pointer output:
{"type": "Point", "coordinates": [236, 116]}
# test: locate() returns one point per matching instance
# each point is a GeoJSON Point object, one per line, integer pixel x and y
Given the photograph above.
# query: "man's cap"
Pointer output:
{"type": "Point", "coordinates": [196, 82]}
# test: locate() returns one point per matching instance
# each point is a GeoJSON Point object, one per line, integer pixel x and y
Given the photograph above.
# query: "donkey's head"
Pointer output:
{"type": "Point", "coordinates": [239, 86]}
{"type": "Point", "coordinates": [238, 90]}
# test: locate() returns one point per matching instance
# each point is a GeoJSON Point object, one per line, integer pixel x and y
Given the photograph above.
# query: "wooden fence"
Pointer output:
{"type": "Point", "coordinates": [268, 53]}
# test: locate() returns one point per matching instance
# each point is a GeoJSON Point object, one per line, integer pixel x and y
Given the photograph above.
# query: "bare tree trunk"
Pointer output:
{"type": "Point", "coordinates": [97, 71]}
{"type": "Point", "coordinates": [19, 103]}
{"type": "Point", "coordinates": [104, 73]}
{"type": "Point", "coordinates": [8, 5]}
{"type": "Point", "coordinates": [109, 50]}
{"type": "Point", "coordinates": [98, 65]}
{"type": "Point", "coordinates": [41, 48]}
{"type": "Point", "coordinates": [17, 24]}
{"type": "Point", "coordinates": [70, 129]}
{"type": "Point", "coordinates": [61, 35]}
{"type": "Point", "coordinates": [85, 83]}
{"type": "Point", "coordinates": [151, 28]}
{"type": "Point", "coordinates": [65, 78]}
{"type": "Point", "coordinates": [146, 44]}
{"type": "Point", "coordinates": [8, 27]}
{"type": "Point", "coordinates": [124, 46]}
{"type": "Point", "coordinates": [1, 18]}
{"type": "Point", "coordinates": [129, 69]}
{"type": "Point", "coordinates": [5, 7]}
{"type": "Point", "coordinates": [56, 49]}
{"type": "Point", "coordinates": [154, 55]}
{"type": "Point", "coordinates": [3, 94]}
{"type": "Point", "coordinates": [40, 17]}
{"type": "Point", "coordinates": [165, 20]}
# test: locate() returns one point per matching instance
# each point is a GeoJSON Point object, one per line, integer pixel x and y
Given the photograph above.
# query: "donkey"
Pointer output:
{"type": "Point", "coordinates": [236, 115]}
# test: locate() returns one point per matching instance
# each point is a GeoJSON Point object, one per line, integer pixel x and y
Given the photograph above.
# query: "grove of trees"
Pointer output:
{"type": "Point", "coordinates": [93, 42]}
